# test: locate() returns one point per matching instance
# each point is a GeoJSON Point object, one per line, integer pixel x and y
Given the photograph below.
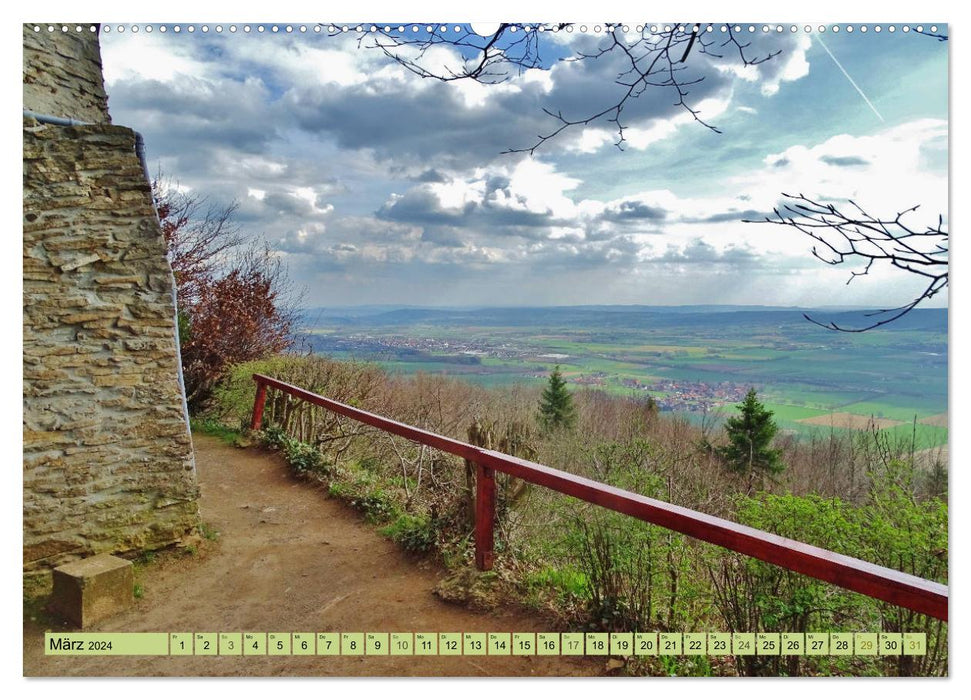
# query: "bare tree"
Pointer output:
{"type": "Point", "coordinates": [851, 235]}
{"type": "Point", "coordinates": [199, 235]}
{"type": "Point", "coordinates": [649, 60]}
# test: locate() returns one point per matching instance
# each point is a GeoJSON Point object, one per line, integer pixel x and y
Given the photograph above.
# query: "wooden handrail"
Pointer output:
{"type": "Point", "coordinates": [889, 585]}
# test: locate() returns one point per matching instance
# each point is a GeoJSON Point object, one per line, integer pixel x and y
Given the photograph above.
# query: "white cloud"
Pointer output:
{"type": "Point", "coordinates": [542, 189]}
{"type": "Point", "coordinates": [299, 62]}
{"type": "Point", "coordinates": [148, 57]}
{"type": "Point", "coordinates": [884, 172]}
{"type": "Point", "coordinates": [457, 193]}
{"type": "Point", "coordinates": [311, 135]}
{"type": "Point", "coordinates": [794, 66]}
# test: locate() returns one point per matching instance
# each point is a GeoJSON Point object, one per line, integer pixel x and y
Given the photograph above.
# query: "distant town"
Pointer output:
{"type": "Point", "coordinates": [670, 395]}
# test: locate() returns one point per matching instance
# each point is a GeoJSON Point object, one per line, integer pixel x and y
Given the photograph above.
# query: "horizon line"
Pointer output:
{"type": "Point", "coordinates": [605, 305]}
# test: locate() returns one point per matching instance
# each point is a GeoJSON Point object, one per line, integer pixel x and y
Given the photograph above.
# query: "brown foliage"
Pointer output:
{"type": "Point", "coordinates": [235, 303]}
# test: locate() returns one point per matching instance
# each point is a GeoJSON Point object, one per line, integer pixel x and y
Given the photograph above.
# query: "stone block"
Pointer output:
{"type": "Point", "coordinates": [92, 589]}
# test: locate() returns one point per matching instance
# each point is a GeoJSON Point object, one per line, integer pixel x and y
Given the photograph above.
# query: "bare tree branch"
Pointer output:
{"type": "Point", "coordinates": [940, 36]}
{"type": "Point", "coordinates": [198, 234]}
{"type": "Point", "coordinates": [856, 237]}
{"type": "Point", "coordinates": [651, 61]}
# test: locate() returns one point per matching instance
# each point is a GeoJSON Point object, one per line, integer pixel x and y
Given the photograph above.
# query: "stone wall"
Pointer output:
{"type": "Point", "coordinates": [108, 463]}
{"type": "Point", "coordinates": [62, 73]}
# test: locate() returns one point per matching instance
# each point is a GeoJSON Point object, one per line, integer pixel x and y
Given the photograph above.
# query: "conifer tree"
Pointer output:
{"type": "Point", "coordinates": [556, 408]}
{"type": "Point", "coordinates": [750, 437]}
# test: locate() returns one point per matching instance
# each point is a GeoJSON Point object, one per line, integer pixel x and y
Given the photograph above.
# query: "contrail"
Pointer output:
{"type": "Point", "coordinates": [852, 82]}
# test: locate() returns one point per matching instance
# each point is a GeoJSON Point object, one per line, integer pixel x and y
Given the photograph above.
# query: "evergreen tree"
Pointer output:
{"type": "Point", "coordinates": [652, 408]}
{"type": "Point", "coordinates": [750, 435]}
{"type": "Point", "coordinates": [556, 408]}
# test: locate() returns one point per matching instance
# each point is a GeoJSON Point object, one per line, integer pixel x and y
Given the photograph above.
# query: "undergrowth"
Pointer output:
{"type": "Point", "coordinates": [593, 569]}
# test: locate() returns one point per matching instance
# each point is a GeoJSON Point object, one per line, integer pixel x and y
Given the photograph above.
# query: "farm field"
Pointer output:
{"type": "Point", "coordinates": [698, 361]}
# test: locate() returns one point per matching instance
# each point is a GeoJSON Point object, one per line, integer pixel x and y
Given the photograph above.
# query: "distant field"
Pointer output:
{"type": "Point", "coordinates": [793, 413]}
{"type": "Point", "coordinates": [939, 420]}
{"type": "Point", "coordinates": [693, 362]}
{"type": "Point", "coordinates": [851, 421]}
{"type": "Point", "coordinates": [890, 409]}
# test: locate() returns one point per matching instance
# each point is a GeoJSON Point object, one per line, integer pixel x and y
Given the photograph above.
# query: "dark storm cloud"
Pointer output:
{"type": "Point", "coordinates": [398, 121]}
{"type": "Point", "coordinates": [406, 125]}
{"type": "Point", "coordinates": [634, 210]}
{"type": "Point", "coordinates": [186, 114]}
{"type": "Point", "coordinates": [420, 205]}
{"type": "Point", "coordinates": [285, 204]}
{"type": "Point", "coordinates": [730, 215]}
{"type": "Point", "coordinates": [844, 161]}
{"type": "Point", "coordinates": [248, 100]}
{"type": "Point", "coordinates": [431, 175]}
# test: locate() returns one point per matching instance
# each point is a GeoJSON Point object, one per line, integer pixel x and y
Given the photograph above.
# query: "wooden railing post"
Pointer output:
{"type": "Point", "coordinates": [258, 404]}
{"type": "Point", "coordinates": [485, 516]}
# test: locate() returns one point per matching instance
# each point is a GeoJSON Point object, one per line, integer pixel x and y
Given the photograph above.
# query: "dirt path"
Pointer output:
{"type": "Point", "coordinates": [290, 559]}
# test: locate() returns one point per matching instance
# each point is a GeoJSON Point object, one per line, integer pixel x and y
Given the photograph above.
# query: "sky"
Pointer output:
{"type": "Point", "coordinates": [376, 186]}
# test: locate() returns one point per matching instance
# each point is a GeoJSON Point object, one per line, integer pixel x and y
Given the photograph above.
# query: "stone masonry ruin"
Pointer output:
{"type": "Point", "coordinates": [108, 464]}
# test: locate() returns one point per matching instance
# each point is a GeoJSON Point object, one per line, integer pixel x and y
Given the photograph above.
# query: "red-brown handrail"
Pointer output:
{"type": "Point", "coordinates": [905, 590]}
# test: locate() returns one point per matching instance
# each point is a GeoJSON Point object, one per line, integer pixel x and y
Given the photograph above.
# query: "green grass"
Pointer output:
{"type": "Point", "coordinates": [926, 435]}
{"type": "Point", "coordinates": [888, 410]}
{"type": "Point", "coordinates": [786, 412]}
{"type": "Point", "coordinates": [208, 426]}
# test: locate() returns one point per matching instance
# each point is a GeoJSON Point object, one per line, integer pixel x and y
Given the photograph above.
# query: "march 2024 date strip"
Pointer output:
{"type": "Point", "coordinates": [485, 644]}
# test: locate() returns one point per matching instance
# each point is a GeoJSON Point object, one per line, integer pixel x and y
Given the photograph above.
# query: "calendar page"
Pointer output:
{"type": "Point", "coordinates": [513, 349]}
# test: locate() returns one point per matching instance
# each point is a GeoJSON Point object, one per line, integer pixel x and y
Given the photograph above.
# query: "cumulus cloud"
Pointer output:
{"type": "Point", "coordinates": [886, 171]}
{"type": "Point", "coordinates": [701, 252]}
{"type": "Point", "coordinates": [790, 64]}
{"type": "Point", "coordinates": [366, 177]}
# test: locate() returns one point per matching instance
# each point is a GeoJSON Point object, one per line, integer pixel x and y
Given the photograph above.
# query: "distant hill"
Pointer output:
{"type": "Point", "coordinates": [710, 316]}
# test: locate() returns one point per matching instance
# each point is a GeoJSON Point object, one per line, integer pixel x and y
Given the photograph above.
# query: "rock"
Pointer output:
{"type": "Point", "coordinates": [614, 665]}
{"type": "Point", "coordinates": [468, 586]}
{"type": "Point", "coordinates": [93, 589]}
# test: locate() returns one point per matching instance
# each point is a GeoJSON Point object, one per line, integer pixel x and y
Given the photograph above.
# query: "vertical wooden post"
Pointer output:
{"type": "Point", "coordinates": [485, 515]}
{"type": "Point", "coordinates": [258, 405]}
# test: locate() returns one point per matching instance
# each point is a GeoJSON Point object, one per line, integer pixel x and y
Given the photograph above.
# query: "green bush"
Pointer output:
{"type": "Point", "coordinates": [300, 456]}
{"type": "Point", "coordinates": [363, 491]}
{"type": "Point", "coordinates": [565, 581]}
{"type": "Point", "coordinates": [891, 528]}
{"type": "Point", "coordinates": [274, 438]}
{"type": "Point", "coordinates": [376, 505]}
{"type": "Point", "coordinates": [305, 458]}
{"type": "Point", "coordinates": [413, 532]}
{"type": "Point", "coordinates": [636, 575]}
